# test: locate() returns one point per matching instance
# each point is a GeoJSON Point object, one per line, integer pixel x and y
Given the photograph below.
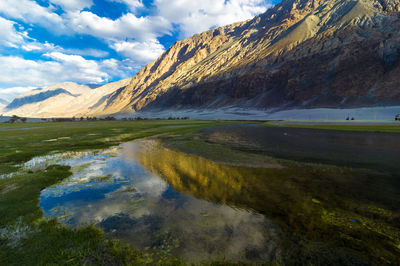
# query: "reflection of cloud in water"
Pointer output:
{"type": "Point", "coordinates": [144, 210]}
{"type": "Point", "coordinates": [208, 229]}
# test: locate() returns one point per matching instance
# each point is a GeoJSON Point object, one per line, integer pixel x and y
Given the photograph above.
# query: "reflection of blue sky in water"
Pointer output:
{"type": "Point", "coordinates": [128, 202]}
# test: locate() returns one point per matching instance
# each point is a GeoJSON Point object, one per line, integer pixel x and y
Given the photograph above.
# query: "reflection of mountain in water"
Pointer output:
{"type": "Point", "coordinates": [114, 191]}
{"type": "Point", "coordinates": [341, 208]}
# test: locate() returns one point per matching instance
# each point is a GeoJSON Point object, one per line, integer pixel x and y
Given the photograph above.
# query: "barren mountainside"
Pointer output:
{"type": "Point", "coordinates": [300, 53]}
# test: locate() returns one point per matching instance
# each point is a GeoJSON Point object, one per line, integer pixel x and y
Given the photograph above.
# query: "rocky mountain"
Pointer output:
{"type": "Point", "coordinates": [299, 54]}
{"type": "Point", "coordinates": [63, 100]}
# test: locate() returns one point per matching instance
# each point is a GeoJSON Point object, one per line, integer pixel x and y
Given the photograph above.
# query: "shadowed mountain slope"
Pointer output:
{"type": "Point", "coordinates": [300, 53]}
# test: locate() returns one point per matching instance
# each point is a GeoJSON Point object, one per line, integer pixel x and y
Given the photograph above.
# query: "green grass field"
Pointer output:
{"type": "Point", "coordinates": [28, 239]}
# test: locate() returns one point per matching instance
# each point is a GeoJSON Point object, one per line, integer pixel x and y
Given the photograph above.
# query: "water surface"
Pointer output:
{"type": "Point", "coordinates": [130, 202]}
{"type": "Point", "coordinates": [167, 201]}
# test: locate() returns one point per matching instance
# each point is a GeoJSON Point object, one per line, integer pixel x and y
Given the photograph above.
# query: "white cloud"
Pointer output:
{"type": "Point", "coordinates": [50, 47]}
{"type": "Point", "coordinates": [133, 5]}
{"type": "Point", "coordinates": [72, 5]}
{"type": "Point", "coordinates": [9, 37]}
{"type": "Point", "coordinates": [88, 71]}
{"type": "Point", "coordinates": [190, 16]}
{"type": "Point", "coordinates": [198, 16]}
{"type": "Point", "coordinates": [136, 37]}
{"type": "Point", "coordinates": [37, 46]}
{"type": "Point", "coordinates": [140, 52]}
{"type": "Point", "coordinates": [62, 67]}
{"type": "Point", "coordinates": [127, 26]}
{"type": "Point", "coordinates": [31, 12]}
{"type": "Point", "coordinates": [87, 52]}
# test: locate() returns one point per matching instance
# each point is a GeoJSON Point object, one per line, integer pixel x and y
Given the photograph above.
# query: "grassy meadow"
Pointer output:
{"type": "Point", "coordinates": [28, 239]}
{"type": "Point", "coordinates": [324, 209]}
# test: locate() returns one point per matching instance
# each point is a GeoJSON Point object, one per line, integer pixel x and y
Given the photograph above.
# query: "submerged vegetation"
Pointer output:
{"type": "Point", "coordinates": [327, 214]}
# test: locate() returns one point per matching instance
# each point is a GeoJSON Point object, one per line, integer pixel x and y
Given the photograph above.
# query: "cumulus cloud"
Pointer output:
{"type": "Point", "coordinates": [88, 70]}
{"type": "Point", "coordinates": [198, 16]}
{"type": "Point", "coordinates": [127, 26]}
{"type": "Point", "coordinates": [87, 52]}
{"type": "Point", "coordinates": [9, 37]}
{"type": "Point", "coordinates": [38, 46]}
{"type": "Point", "coordinates": [140, 52]}
{"type": "Point", "coordinates": [133, 5]}
{"type": "Point", "coordinates": [190, 17]}
{"type": "Point", "coordinates": [31, 12]}
{"type": "Point", "coordinates": [72, 5]}
{"type": "Point", "coordinates": [61, 67]}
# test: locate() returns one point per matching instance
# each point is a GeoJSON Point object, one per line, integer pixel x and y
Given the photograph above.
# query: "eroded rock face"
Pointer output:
{"type": "Point", "coordinates": [309, 53]}
{"type": "Point", "coordinates": [390, 5]}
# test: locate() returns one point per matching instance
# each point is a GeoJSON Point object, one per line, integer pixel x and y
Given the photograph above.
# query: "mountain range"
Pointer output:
{"type": "Point", "coordinates": [298, 54]}
{"type": "Point", "coordinates": [64, 100]}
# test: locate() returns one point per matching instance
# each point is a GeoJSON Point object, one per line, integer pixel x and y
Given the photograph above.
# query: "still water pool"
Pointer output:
{"type": "Point", "coordinates": [116, 191]}
{"type": "Point", "coordinates": [162, 200]}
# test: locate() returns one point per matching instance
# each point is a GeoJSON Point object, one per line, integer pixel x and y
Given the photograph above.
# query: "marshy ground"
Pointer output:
{"type": "Point", "coordinates": [309, 196]}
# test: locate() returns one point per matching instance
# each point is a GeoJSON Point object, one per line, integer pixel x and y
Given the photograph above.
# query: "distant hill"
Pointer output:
{"type": "Point", "coordinates": [63, 100]}
{"type": "Point", "coordinates": [41, 96]}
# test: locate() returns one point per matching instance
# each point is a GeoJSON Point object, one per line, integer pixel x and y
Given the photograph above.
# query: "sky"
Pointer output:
{"type": "Point", "coordinates": [43, 42]}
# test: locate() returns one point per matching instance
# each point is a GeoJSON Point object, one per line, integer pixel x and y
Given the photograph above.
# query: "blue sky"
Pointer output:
{"type": "Point", "coordinates": [43, 42]}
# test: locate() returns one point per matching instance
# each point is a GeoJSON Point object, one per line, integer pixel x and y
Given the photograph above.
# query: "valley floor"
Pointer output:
{"type": "Point", "coordinates": [378, 114]}
{"type": "Point", "coordinates": [333, 194]}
